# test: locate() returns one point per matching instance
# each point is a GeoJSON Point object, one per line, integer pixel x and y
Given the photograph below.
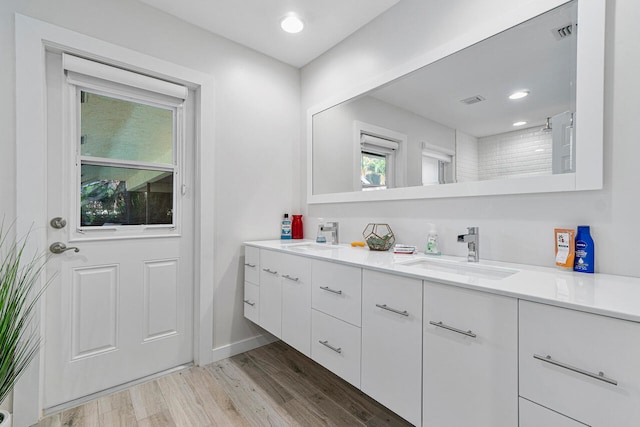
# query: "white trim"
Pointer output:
{"type": "Point", "coordinates": [589, 102]}
{"type": "Point", "coordinates": [32, 36]}
{"type": "Point", "coordinates": [238, 347]}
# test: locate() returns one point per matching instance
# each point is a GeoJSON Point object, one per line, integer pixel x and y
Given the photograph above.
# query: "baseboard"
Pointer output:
{"type": "Point", "coordinates": [241, 346]}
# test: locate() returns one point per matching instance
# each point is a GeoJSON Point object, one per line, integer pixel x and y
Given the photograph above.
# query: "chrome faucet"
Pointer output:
{"type": "Point", "coordinates": [332, 228]}
{"type": "Point", "coordinates": [472, 239]}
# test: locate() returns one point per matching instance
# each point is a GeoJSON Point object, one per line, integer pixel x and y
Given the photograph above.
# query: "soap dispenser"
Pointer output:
{"type": "Point", "coordinates": [432, 241]}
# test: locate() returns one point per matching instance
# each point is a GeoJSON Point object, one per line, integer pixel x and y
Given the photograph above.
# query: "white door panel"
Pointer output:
{"type": "Point", "coordinates": [121, 308]}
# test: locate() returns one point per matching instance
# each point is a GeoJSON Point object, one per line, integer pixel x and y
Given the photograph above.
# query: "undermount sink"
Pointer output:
{"type": "Point", "coordinates": [462, 268]}
{"type": "Point", "coordinates": [304, 247]}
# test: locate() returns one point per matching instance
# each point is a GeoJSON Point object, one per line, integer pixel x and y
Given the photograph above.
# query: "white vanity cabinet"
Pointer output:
{"type": "Point", "coordinates": [392, 342]}
{"type": "Point", "coordinates": [470, 358]}
{"type": "Point", "coordinates": [252, 283]}
{"type": "Point", "coordinates": [336, 318]}
{"type": "Point", "coordinates": [285, 298]}
{"type": "Point", "coordinates": [581, 365]}
{"type": "Point", "coordinates": [446, 355]}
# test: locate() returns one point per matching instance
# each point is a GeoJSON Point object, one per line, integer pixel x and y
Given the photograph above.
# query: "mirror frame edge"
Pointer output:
{"type": "Point", "coordinates": [589, 123]}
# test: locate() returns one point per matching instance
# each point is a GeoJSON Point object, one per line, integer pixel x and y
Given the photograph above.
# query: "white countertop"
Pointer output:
{"type": "Point", "coordinates": [605, 294]}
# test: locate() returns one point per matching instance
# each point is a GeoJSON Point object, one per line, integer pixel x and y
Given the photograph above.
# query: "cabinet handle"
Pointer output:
{"type": "Point", "coordinates": [599, 376]}
{"type": "Point", "coordinates": [326, 344]}
{"type": "Point", "coordinates": [249, 302]}
{"type": "Point", "coordinates": [249, 265]}
{"type": "Point", "coordinates": [295, 279]}
{"type": "Point", "coordinates": [451, 328]}
{"type": "Point", "coordinates": [328, 289]}
{"type": "Point", "coordinates": [393, 310]}
{"type": "Point", "coordinates": [269, 271]}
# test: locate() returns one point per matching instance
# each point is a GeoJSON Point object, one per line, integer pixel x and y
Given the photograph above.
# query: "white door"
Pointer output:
{"type": "Point", "coordinates": [120, 175]}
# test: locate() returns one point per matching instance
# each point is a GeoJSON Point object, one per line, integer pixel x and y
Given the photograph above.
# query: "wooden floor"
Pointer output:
{"type": "Point", "coordinates": [270, 386]}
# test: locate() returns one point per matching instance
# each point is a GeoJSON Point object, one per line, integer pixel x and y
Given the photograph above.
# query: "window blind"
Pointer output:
{"type": "Point", "coordinates": [371, 142]}
{"type": "Point", "coordinates": [80, 70]}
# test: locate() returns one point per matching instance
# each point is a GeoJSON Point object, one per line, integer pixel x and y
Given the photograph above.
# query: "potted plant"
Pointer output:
{"type": "Point", "coordinates": [19, 293]}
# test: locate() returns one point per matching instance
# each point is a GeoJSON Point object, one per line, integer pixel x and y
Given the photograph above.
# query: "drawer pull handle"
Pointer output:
{"type": "Point", "coordinates": [599, 376]}
{"type": "Point", "coordinates": [249, 302]}
{"type": "Point", "coordinates": [249, 265]}
{"type": "Point", "coordinates": [269, 271]}
{"type": "Point", "coordinates": [294, 279]}
{"type": "Point", "coordinates": [393, 310]}
{"type": "Point", "coordinates": [328, 289]}
{"type": "Point", "coordinates": [468, 333]}
{"type": "Point", "coordinates": [326, 344]}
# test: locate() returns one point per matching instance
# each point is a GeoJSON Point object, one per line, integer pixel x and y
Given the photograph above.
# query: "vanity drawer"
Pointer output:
{"type": "Point", "coordinates": [337, 290]}
{"type": "Point", "coordinates": [562, 353]}
{"type": "Point", "coordinates": [252, 265]}
{"type": "Point", "coordinates": [252, 302]}
{"type": "Point", "coordinates": [340, 352]}
{"type": "Point", "coordinates": [532, 415]}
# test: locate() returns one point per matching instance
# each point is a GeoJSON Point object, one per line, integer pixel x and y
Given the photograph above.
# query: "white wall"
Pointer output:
{"type": "Point", "coordinates": [466, 157]}
{"type": "Point", "coordinates": [517, 228]}
{"type": "Point", "coordinates": [251, 193]}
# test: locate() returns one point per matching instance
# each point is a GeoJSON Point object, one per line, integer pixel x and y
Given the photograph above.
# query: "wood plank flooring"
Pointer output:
{"type": "Point", "coordinates": [272, 385]}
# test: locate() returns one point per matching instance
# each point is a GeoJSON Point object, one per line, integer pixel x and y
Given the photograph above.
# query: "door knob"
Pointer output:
{"type": "Point", "coordinates": [58, 222]}
{"type": "Point", "coordinates": [59, 247]}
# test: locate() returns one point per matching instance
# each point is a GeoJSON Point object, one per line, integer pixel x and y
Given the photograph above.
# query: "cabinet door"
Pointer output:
{"type": "Point", "coordinates": [270, 293]}
{"type": "Point", "coordinates": [392, 342]}
{"type": "Point", "coordinates": [252, 265]}
{"type": "Point", "coordinates": [296, 302]}
{"type": "Point", "coordinates": [470, 354]}
{"type": "Point", "coordinates": [532, 415]}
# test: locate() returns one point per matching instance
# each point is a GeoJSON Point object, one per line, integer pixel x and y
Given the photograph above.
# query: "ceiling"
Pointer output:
{"type": "Point", "coordinates": [256, 23]}
{"type": "Point", "coordinates": [526, 57]}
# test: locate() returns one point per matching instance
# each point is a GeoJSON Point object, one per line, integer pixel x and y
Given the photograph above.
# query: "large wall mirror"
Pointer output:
{"type": "Point", "coordinates": [517, 112]}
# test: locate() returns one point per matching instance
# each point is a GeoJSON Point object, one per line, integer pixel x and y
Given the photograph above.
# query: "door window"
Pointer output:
{"type": "Point", "coordinates": [127, 162]}
{"type": "Point", "coordinates": [128, 135]}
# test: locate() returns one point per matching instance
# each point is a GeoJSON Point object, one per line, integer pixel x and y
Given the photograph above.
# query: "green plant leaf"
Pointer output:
{"type": "Point", "coordinates": [19, 293]}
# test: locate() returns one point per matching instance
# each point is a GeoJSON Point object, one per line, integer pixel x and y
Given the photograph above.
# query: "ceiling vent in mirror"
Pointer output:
{"type": "Point", "coordinates": [473, 100]}
{"type": "Point", "coordinates": [563, 32]}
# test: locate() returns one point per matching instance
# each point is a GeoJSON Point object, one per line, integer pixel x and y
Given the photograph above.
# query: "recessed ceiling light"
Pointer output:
{"type": "Point", "coordinates": [520, 123]}
{"type": "Point", "coordinates": [519, 94]}
{"type": "Point", "coordinates": [292, 23]}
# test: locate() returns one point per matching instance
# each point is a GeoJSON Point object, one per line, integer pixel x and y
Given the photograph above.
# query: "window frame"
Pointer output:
{"type": "Point", "coordinates": [396, 163]}
{"type": "Point", "coordinates": [131, 94]}
{"type": "Point", "coordinates": [446, 159]}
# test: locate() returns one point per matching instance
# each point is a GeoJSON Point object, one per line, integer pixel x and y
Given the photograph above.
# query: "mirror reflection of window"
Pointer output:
{"type": "Point", "coordinates": [378, 161]}
{"type": "Point", "coordinates": [373, 172]}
